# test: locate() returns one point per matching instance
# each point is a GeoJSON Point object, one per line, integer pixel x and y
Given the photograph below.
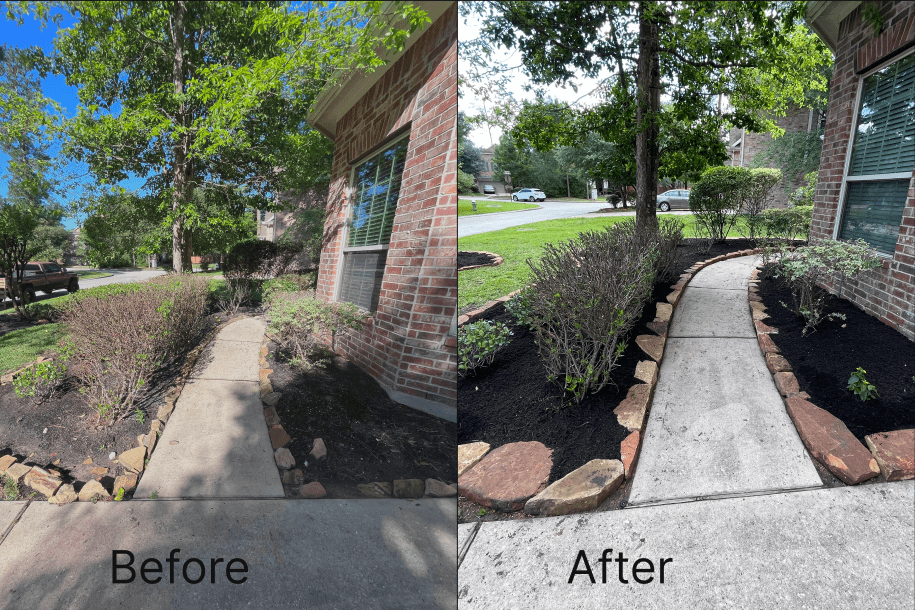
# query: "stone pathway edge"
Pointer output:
{"type": "Point", "coordinates": [585, 488]}
{"type": "Point", "coordinates": [49, 483]}
{"type": "Point", "coordinates": [890, 454]}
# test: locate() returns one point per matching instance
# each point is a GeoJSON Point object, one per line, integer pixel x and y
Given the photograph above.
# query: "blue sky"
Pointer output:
{"type": "Point", "coordinates": [30, 34]}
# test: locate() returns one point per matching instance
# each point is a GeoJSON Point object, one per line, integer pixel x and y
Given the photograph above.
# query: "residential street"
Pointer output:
{"type": "Point", "coordinates": [118, 276]}
{"type": "Point", "coordinates": [549, 210]}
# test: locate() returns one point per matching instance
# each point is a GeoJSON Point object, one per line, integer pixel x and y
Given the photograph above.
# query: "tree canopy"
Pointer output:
{"type": "Point", "coordinates": [211, 96]}
{"type": "Point", "coordinates": [755, 54]}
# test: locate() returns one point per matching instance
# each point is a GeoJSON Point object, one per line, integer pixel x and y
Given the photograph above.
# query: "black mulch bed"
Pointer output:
{"type": "Point", "coordinates": [72, 434]}
{"type": "Point", "coordinates": [369, 437]}
{"type": "Point", "coordinates": [512, 401]}
{"type": "Point", "coordinates": [824, 359]}
{"type": "Point", "coordinates": [470, 259]}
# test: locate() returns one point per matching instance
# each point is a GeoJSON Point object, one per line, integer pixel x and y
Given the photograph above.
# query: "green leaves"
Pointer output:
{"type": "Point", "coordinates": [860, 386]}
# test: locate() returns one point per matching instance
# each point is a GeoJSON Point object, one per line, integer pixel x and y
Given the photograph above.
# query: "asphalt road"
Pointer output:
{"type": "Point", "coordinates": [549, 210]}
{"type": "Point", "coordinates": [118, 276]}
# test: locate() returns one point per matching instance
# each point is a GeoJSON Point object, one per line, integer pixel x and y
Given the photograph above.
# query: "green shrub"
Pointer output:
{"type": "Point", "coordinates": [585, 295]}
{"type": "Point", "coordinates": [806, 267]}
{"type": "Point", "coordinates": [42, 380]}
{"type": "Point", "coordinates": [298, 322]}
{"type": "Point", "coordinates": [478, 344]}
{"type": "Point", "coordinates": [754, 194]}
{"type": "Point", "coordinates": [519, 307]}
{"type": "Point", "coordinates": [259, 259]}
{"type": "Point", "coordinates": [125, 332]}
{"type": "Point", "coordinates": [716, 199]}
{"type": "Point", "coordinates": [787, 225]}
{"type": "Point", "coordinates": [290, 282]}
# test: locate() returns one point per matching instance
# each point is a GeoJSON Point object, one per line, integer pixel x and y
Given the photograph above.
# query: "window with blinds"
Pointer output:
{"type": "Point", "coordinates": [882, 158]}
{"type": "Point", "coordinates": [376, 189]}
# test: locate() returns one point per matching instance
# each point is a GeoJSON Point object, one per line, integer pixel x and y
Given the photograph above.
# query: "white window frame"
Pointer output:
{"type": "Point", "coordinates": [351, 191]}
{"type": "Point", "coordinates": [843, 191]}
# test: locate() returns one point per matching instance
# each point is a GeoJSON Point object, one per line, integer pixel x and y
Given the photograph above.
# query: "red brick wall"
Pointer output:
{"type": "Point", "coordinates": [407, 345]}
{"type": "Point", "coordinates": [887, 292]}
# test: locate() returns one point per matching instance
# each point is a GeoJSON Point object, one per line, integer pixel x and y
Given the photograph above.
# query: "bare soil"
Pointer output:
{"type": "Point", "coordinates": [368, 436]}
{"type": "Point", "coordinates": [472, 259]}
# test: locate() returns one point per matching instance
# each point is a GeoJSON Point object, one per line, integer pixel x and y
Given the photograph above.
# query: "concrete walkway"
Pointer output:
{"type": "Point", "coordinates": [216, 445]}
{"type": "Point", "coordinates": [717, 423]}
{"type": "Point", "coordinates": [723, 487]}
{"type": "Point", "coordinates": [219, 497]}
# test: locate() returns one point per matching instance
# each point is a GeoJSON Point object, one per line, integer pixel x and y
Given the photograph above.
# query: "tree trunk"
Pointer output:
{"type": "Point", "coordinates": [648, 97]}
{"type": "Point", "coordinates": [180, 148]}
{"type": "Point", "coordinates": [568, 190]}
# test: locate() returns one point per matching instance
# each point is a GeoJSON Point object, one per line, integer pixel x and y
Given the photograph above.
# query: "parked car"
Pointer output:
{"type": "Point", "coordinates": [677, 199]}
{"type": "Point", "coordinates": [489, 189]}
{"type": "Point", "coordinates": [529, 194]}
{"type": "Point", "coordinates": [44, 276]}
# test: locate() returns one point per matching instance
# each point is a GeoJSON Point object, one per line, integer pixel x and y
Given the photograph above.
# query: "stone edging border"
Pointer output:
{"type": "Point", "coordinates": [48, 482]}
{"type": "Point", "coordinates": [826, 437]}
{"type": "Point", "coordinates": [499, 260]}
{"type": "Point", "coordinates": [293, 478]}
{"type": "Point", "coordinates": [577, 492]}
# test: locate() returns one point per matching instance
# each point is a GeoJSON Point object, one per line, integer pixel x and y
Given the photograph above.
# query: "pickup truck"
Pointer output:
{"type": "Point", "coordinates": [44, 276]}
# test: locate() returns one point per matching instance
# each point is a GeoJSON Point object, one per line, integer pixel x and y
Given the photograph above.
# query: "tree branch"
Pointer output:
{"type": "Point", "coordinates": [707, 63]}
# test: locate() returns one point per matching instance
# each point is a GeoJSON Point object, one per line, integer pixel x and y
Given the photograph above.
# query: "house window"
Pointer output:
{"type": "Point", "coordinates": [376, 189]}
{"type": "Point", "coordinates": [882, 157]}
{"type": "Point", "coordinates": [263, 215]}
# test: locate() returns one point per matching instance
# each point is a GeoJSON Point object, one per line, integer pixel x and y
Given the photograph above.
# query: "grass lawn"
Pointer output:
{"type": "Point", "coordinates": [488, 207]}
{"type": "Point", "coordinates": [24, 345]}
{"type": "Point", "coordinates": [517, 244]}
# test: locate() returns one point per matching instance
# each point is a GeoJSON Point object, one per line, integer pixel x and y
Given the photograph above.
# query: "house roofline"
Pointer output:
{"type": "Point", "coordinates": [824, 17]}
{"type": "Point", "coordinates": [335, 101]}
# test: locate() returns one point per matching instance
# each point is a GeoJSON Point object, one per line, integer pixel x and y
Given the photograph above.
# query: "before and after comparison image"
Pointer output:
{"type": "Point", "coordinates": [457, 305]}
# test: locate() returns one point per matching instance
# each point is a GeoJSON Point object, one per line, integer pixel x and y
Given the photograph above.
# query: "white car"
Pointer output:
{"type": "Point", "coordinates": [529, 195]}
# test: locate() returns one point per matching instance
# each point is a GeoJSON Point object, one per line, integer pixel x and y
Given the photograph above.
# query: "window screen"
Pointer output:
{"type": "Point", "coordinates": [377, 183]}
{"type": "Point", "coordinates": [884, 144]}
{"type": "Point", "coordinates": [885, 139]}
{"type": "Point", "coordinates": [362, 273]}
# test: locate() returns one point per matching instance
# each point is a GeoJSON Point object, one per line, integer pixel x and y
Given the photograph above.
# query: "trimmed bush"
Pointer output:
{"type": "Point", "coordinates": [478, 344]}
{"type": "Point", "coordinates": [298, 321]}
{"type": "Point", "coordinates": [586, 294]}
{"type": "Point", "coordinates": [716, 199]}
{"type": "Point", "coordinates": [787, 225]}
{"type": "Point", "coordinates": [806, 267]}
{"type": "Point", "coordinates": [759, 184]}
{"type": "Point", "coordinates": [123, 333]}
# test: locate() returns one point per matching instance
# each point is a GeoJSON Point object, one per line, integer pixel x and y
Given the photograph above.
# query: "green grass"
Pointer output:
{"type": "Point", "coordinates": [486, 207]}
{"type": "Point", "coordinates": [91, 275]}
{"type": "Point", "coordinates": [517, 244]}
{"type": "Point", "coordinates": [20, 347]}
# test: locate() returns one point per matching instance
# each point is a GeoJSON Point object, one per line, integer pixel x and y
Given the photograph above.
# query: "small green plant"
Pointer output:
{"type": "Point", "coordinates": [141, 416]}
{"type": "Point", "coordinates": [42, 380]}
{"type": "Point", "coordinates": [482, 512]}
{"type": "Point", "coordinates": [120, 495]}
{"type": "Point", "coordinates": [10, 489]}
{"type": "Point", "coordinates": [478, 344]}
{"type": "Point", "coordinates": [519, 307]}
{"type": "Point", "coordinates": [860, 386]}
{"type": "Point", "coordinates": [153, 495]}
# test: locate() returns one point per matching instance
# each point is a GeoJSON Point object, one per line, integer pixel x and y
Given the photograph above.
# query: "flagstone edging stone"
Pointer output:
{"type": "Point", "coordinates": [567, 494]}
{"type": "Point", "coordinates": [827, 438]}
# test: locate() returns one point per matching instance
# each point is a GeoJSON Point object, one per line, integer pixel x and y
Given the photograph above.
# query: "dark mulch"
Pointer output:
{"type": "Point", "coordinates": [369, 437]}
{"type": "Point", "coordinates": [72, 435]}
{"type": "Point", "coordinates": [512, 400]}
{"type": "Point", "coordinates": [470, 259]}
{"type": "Point", "coordinates": [824, 360]}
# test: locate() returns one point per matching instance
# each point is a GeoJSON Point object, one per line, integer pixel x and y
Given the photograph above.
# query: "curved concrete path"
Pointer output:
{"type": "Point", "coordinates": [215, 444]}
{"type": "Point", "coordinates": [717, 423]}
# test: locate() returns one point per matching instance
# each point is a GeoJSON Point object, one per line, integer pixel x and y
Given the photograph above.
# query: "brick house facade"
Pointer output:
{"type": "Point", "coordinates": [847, 202]}
{"type": "Point", "coordinates": [744, 146]}
{"type": "Point", "coordinates": [406, 111]}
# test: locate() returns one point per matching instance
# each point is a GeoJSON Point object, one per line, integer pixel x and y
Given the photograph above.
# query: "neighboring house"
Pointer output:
{"type": "Point", "coordinates": [390, 238]}
{"type": "Point", "coordinates": [488, 175]}
{"type": "Point", "coordinates": [866, 183]}
{"type": "Point", "coordinates": [743, 147]}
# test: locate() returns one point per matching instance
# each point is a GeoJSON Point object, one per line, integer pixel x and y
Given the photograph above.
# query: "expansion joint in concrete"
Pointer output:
{"type": "Point", "coordinates": [462, 552]}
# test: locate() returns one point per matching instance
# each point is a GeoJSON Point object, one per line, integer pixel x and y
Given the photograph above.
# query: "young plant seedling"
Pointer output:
{"type": "Point", "coordinates": [860, 386]}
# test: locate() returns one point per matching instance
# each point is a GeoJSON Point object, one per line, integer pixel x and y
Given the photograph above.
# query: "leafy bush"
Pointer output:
{"type": "Point", "coordinates": [259, 259]}
{"type": "Point", "coordinates": [716, 199]}
{"type": "Point", "coordinates": [789, 224]}
{"type": "Point", "coordinates": [803, 196]}
{"type": "Point", "coordinates": [123, 333]}
{"type": "Point", "coordinates": [860, 386]}
{"type": "Point", "coordinates": [806, 267]}
{"type": "Point", "coordinates": [204, 265]}
{"type": "Point", "coordinates": [519, 307]}
{"type": "Point", "coordinates": [585, 296]}
{"type": "Point", "coordinates": [290, 282]}
{"type": "Point", "coordinates": [478, 344]}
{"type": "Point", "coordinates": [42, 380]}
{"type": "Point", "coordinates": [298, 321]}
{"type": "Point", "coordinates": [759, 184]}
